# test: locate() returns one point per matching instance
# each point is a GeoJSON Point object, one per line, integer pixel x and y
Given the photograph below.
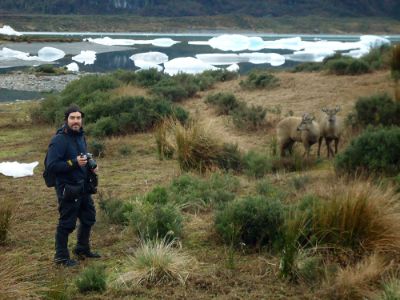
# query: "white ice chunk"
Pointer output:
{"type": "Point", "coordinates": [107, 41]}
{"type": "Point", "coordinates": [274, 59]}
{"type": "Point", "coordinates": [50, 54]}
{"type": "Point", "coordinates": [7, 30]}
{"type": "Point", "coordinates": [163, 42]}
{"type": "Point", "coordinates": [256, 43]}
{"type": "Point", "coordinates": [145, 65]}
{"type": "Point", "coordinates": [294, 43]}
{"type": "Point", "coordinates": [7, 53]}
{"type": "Point", "coordinates": [188, 65]}
{"type": "Point", "coordinates": [72, 67]}
{"type": "Point", "coordinates": [220, 58]}
{"type": "Point", "coordinates": [373, 41]}
{"type": "Point", "coordinates": [151, 57]}
{"type": "Point", "coordinates": [16, 169]}
{"type": "Point", "coordinates": [230, 42]}
{"type": "Point", "coordinates": [233, 68]}
{"type": "Point", "coordinates": [87, 57]}
{"type": "Point", "coordinates": [309, 56]}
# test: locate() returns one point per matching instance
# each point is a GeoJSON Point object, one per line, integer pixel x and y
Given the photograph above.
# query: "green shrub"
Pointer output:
{"type": "Point", "coordinates": [230, 158]}
{"type": "Point", "coordinates": [376, 110]}
{"type": "Point", "coordinates": [192, 193]}
{"type": "Point", "coordinates": [299, 182]}
{"type": "Point", "coordinates": [225, 102]}
{"type": "Point", "coordinates": [97, 148]}
{"type": "Point", "coordinates": [105, 126]}
{"type": "Point", "coordinates": [347, 66]}
{"type": "Point", "coordinates": [256, 164]}
{"type": "Point", "coordinates": [48, 69]}
{"type": "Point", "coordinates": [219, 75]}
{"type": "Point", "coordinates": [250, 118]}
{"type": "Point", "coordinates": [116, 210]}
{"type": "Point", "coordinates": [257, 79]}
{"type": "Point", "coordinates": [254, 221]}
{"type": "Point", "coordinates": [148, 78]}
{"type": "Point", "coordinates": [159, 195]}
{"type": "Point", "coordinates": [127, 77]}
{"type": "Point", "coordinates": [92, 278]}
{"type": "Point", "coordinates": [170, 90]}
{"type": "Point", "coordinates": [378, 57]}
{"type": "Point", "coordinates": [153, 221]}
{"type": "Point", "coordinates": [308, 67]}
{"type": "Point", "coordinates": [374, 151]}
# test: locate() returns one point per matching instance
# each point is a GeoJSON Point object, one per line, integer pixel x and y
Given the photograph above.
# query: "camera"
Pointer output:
{"type": "Point", "coordinates": [91, 163]}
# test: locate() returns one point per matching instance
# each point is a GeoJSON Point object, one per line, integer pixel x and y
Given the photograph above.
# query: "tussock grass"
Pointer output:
{"type": "Point", "coordinates": [391, 287]}
{"type": "Point", "coordinates": [5, 219]}
{"type": "Point", "coordinates": [91, 279]}
{"type": "Point", "coordinates": [358, 281]}
{"type": "Point", "coordinates": [157, 262]}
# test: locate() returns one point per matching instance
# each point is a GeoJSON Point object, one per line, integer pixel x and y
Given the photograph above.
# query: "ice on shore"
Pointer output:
{"type": "Point", "coordinates": [72, 67]}
{"type": "Point", "coordinates": [16, 169]}
{"type": "Point", "coordinates": [107, 41]}
{"type": "Point", "coordinates": [7, 54]}
{"type": "Point", "coordinates": [85, 57]}
{"type": "Point", "coordinates": [50, 54]}
{"type": "Point", "coordinates": [7, 30]}
{"type": "Point", "coordinates": [188, 65]}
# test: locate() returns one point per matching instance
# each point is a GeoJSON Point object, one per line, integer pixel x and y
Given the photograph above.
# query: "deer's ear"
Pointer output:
{"type": "Point", "coordinates": [324, 109]}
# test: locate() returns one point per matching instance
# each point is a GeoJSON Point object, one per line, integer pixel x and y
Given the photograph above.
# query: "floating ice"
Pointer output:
{"type": "Point", "coordinates": [145, 65]}
{"type": "Point", "coordinates": [87, 57]}
{"type": "Point", "coordinates": [50, 54]}
{"type": "Point", "coordinates": [233, 68]}
{"type": "Point", "coordinates": [7, 53]}
{"type": "Point", "coordinates": [72, 67]}
{"type": "Point", "coordinates": [107, 41]}
{"type": "Point", "coordinates": [309, 56]}
{"type": "Point", "coordinates": [151, 57]}
{"type": "Point", "coordinates": [220, 58]}
{"type": "Point", "coordinates": [7, 30]}
{"type": "Point", "coordinates": [274, 59]}
{"type": "Point", "coordinates": [188, 65]}
{"type": "Point", "coordinates": [230, 42]}
{"type": "Point", "coordinates": [294, 43]}
{"type": "Point", "coordinates": [16, 169]}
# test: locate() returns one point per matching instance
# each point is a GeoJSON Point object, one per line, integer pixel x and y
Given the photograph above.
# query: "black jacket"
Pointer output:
{"type": "Point", "coordinates": [64, 148]}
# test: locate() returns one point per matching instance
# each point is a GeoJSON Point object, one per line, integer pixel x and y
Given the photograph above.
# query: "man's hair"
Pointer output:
{"type": "Point", "coordinates": [72, 108]}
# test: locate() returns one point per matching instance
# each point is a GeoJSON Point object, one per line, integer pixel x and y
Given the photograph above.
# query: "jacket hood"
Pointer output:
{"type": "Point", "coordinates": [65, 129]}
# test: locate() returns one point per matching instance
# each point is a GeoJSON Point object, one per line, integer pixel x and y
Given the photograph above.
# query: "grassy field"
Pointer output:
{"type": "Point", "coordinates": [216, 271]}
{"type": "Point", "coordinates": [224, 23]}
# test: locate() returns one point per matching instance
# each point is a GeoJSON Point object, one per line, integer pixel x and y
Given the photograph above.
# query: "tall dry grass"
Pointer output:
{"type": "Point", "coordinates": [360, 216]}
{"type": "Point", "coordinates": [164, 137]}
{"type": "Point", "coordinates": [157, 262]}
{"type": "Point", "coordinates": [357, 282]}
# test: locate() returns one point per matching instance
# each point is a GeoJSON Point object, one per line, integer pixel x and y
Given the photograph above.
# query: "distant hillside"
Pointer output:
{"type": "Point", "coordinates": [162, 8]}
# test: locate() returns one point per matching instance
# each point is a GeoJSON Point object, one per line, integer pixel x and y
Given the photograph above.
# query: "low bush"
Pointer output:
{"type": "Point", "coordinates": [97, 148]}
{"type": "Point", "coordinates": [158, 195]}
{"type": "Point", "coordinates": [254, 221]}
{"type": "Point", "coordinates": [116, 210]}
{"type": "Point", "coordinates": [257, 79]}
{"type": "Point", "coordinates": [256, 164]}
{"type": "Point", "coordinates": [374, 151]}
{"type": "Point", "coordinates": [153, 221]}
{"type": "Point", "coordinates": [378, 57]}
{"type": "Point", "coordinates": [347, 66]}
{"type": "Point", "coordinates": [125, 150]}
{"type": "Point", "coordinates": [92, 279]}
{"type": "Point", "coordinates": [249, 117]}
{"type": "Point", "coordinates": [225, 102]}
{"type": "Point", "coordinates": [230, 158]}
{"type": "Point", "coordinates": [308, 67]}
{"type": "Point", "coordinates": [192, 193]}
{"type": "Point", "coordinates": [170, 90]}
{"type": "Point", "coordinates": [379, 109]}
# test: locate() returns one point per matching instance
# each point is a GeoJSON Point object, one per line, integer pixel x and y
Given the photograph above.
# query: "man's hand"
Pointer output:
{"type": "Point", "coordinates": [82, 160]}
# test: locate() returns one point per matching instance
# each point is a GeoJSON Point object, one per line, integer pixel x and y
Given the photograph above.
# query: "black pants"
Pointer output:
{"type": "Point", "coordinates": [81, 208]}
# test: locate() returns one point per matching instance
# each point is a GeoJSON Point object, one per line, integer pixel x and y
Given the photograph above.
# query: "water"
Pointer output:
{"type": "Point", "coordinates": [7, 95]}
{"type": "Point", "coordinates": [110, 61]}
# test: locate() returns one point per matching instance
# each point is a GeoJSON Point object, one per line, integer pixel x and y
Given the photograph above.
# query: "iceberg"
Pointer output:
{"type": "Point", "coordinates": [50, 54]}
{"type": "Point", "coordinates": [16, 169]}
{"type": "Point", "coordinates": [188, 65]}
{"type": "Point", "coordinates": [7, 30]}
{"type": "Point", "coordinates": [274, 59]}
{"type": "Point", "coordinates": [233, 68]}
{"type": "Point", "coordinates": [150, 57]}
{"type": "Point", "coordinates": [145, 65]}
{"type": "Point", "coordinates": [107, 41]}
{"type": "Point", "coordinates": [72, 67]}
{"type": "Point", "coordinates": [220, 58]}
{"type": "Point", "coordinates": [230, 42]}
{"type": "Point", "coordinates": [309, 56]}
{"type": "Point", "coordinates": [87, 57]}
{"type": "Point", "coordinates": [294, 44]}
{"type": "Point", "coordinates": [7, 53]}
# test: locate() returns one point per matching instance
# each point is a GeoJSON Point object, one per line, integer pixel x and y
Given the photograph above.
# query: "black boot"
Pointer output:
{"type": "Point", "coordinates": [82, 249]}
{"type": "Point", "coordinates": [61, 244]}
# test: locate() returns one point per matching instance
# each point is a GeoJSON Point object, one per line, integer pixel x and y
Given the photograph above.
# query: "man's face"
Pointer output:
{"type": "Point", "coordinates": [75, 121]}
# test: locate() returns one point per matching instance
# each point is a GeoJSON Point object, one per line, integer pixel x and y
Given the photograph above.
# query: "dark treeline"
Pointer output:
{"type": "Point", "coordinates": [162, 8]}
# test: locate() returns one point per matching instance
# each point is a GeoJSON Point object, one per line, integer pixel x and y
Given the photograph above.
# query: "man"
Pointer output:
{"type": "Point", "coordinates": [66, 158]}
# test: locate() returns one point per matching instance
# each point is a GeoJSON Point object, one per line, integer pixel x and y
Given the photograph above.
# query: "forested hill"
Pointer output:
{"type": "Point", "coordinates": [164, 8]}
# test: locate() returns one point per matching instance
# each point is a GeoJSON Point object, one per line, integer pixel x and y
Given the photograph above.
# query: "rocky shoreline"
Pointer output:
{"type": "Point", "coordinates": [36, 83]}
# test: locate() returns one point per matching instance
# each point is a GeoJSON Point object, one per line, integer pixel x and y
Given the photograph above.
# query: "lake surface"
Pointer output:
{"type": "Point", "coordinates": [114, 58]}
